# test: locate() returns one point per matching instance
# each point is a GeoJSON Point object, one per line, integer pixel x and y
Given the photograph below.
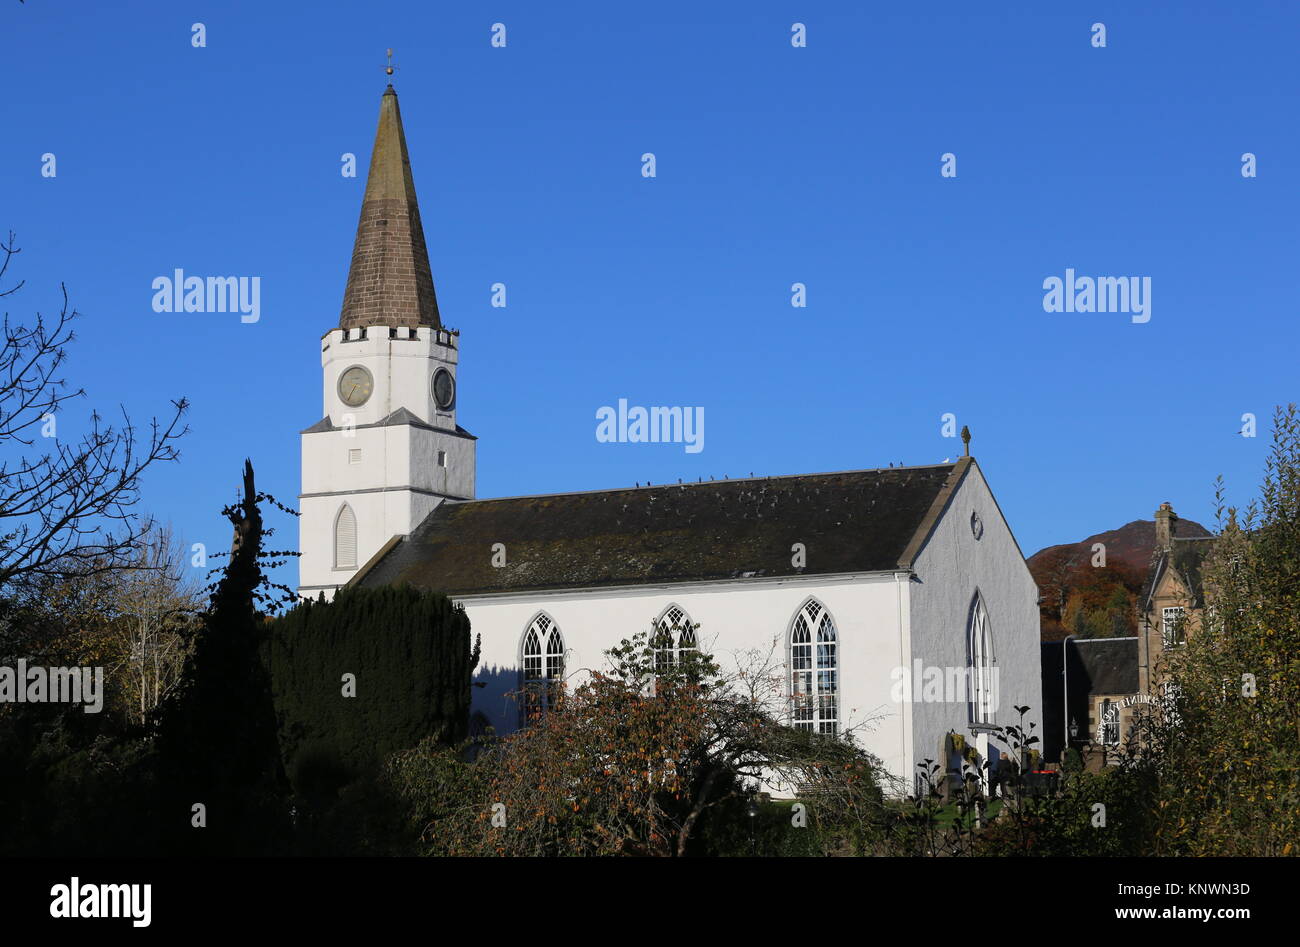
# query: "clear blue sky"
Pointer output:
{"type": "Point", "coordinates": [775, 165]}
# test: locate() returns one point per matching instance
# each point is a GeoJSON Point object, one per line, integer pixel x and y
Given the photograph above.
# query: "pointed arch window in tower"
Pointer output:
{"type": "Point", "coordinates": [345, 539]}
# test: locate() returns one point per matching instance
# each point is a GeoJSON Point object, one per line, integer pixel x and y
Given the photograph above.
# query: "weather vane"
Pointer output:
{"type": "Point", "coordinates": [389, 68]}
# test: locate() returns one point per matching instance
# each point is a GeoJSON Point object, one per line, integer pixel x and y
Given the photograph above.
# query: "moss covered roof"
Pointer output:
{"type": "Point", "coordinates": [855, 521]}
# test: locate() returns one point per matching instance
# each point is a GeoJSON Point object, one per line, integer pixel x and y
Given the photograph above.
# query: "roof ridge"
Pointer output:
{"type": "Point", "coordinates": [921, 535]}
{"type": "Point", "coordinates": [705, 483]}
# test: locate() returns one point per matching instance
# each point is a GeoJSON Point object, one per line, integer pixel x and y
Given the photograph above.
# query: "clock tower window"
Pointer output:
{"type": "Point", "coordinates": [345, 539]}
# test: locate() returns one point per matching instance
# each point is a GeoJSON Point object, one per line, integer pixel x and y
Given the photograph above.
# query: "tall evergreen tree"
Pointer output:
{"type": "Point", "coordinates": [371, 672]}
{"type": "Point", "coordinates": [216, 734]}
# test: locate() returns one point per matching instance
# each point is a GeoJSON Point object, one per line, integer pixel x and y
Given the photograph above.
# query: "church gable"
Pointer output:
{"type": "Point", "coordinates": [857, 521]}
{"type": "Point", "coordinates": [1176, 573]}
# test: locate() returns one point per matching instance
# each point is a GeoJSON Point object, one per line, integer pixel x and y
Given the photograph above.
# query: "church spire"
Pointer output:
{"type": "Point", "coordinates": [389, 283]}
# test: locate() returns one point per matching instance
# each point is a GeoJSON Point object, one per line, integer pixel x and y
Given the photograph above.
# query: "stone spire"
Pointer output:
{"type": "Point", "coordinates": [389, 283]}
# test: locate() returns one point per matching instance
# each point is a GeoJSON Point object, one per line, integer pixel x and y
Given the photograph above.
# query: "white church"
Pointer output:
{"type": "Point", "coordinates": [868, 584]}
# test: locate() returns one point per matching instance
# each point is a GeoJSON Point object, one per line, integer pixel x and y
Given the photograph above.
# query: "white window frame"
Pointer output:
{"type": "Point", "coordinates": [541, 668]}
{"type": "Point", "coordinates": [1109, 726]}
{"type": "Point", "coordinates": [814, 670]}
{"type": "Point", "coordinates": [674, 636]}
{"type": "Point", "coordinates": [1173, 632]}
{"type": "Point", "coordinates": [981, 664]}
{"type": "Point", "coordinates": [1170, 691]}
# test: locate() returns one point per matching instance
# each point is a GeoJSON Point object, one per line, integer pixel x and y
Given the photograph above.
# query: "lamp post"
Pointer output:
{"type": "Point", "coordinates": [1065, 689]}
{"type": "Point", "coordinates": [752, 811]}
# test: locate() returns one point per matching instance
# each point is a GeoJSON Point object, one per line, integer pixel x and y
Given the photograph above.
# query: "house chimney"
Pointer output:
{"type": "Point", "coordinates": [1166, 523]}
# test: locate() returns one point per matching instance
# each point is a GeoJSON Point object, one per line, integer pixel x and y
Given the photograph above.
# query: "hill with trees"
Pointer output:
{"type": "Point", "coordinates": [1091, 595]}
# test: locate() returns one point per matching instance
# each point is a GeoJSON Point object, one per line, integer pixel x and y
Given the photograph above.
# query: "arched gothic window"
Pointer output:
{"type": "Point", "coordinates": [814, 670]}
{"type": "Point", "coordinates": [345, 539]}
{"type": "Point", "coordinates": [982, 670]}
{"type": "Point", "coordinates": [542, 658]}
{"type": "Point", "coordinates": [674, 638]}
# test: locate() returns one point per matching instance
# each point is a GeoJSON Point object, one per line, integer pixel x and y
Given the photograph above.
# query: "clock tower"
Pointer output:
{"type": "Point", "coordinates": [388, 449]}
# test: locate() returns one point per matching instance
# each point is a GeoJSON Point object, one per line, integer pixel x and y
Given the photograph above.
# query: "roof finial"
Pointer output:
{"type": "Point", "coordinates": [965, 438]}
{"type": "Point", "coordinates": [389, 68]}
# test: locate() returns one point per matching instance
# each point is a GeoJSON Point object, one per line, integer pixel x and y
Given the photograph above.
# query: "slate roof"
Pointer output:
{"type": "Point", "coordinates": [855, 521]}
{"type": "Point", "coordinates": [400, 416]}
{"type": "Point", "coordinates": [1097, 667]}
{"type": "Point", "coordinates": [1108, 665]}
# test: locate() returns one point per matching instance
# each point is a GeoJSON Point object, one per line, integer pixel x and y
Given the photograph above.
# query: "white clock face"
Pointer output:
{"type": "Point", "coordinates": [355, 386]}
{"type": "Point", "coordinates": [443, 388]}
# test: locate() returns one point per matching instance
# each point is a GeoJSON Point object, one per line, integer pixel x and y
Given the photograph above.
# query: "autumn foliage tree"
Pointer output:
{"type": "Point", "coordinates": [1087, 597]}
{"type": "Point", "coordinates": [637, 760]}
{"type": "Point", "coordinates": [1213, 766]}
{"type": "Point", "coordinates": [1227, 747]}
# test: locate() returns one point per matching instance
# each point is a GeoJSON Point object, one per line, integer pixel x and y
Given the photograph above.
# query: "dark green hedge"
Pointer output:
{"type": "Point", "coordinates": [411, 654]}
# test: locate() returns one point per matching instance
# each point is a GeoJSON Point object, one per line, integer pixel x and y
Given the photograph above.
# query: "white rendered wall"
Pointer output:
{"type": "Point", "coordinates": [380, 515]}
{"type": "Point", "coordinates": [396, 456]}
{"type": "Point", "coordinates": [949, 570]}
{"type": "Point", "coordinates": [390, 475]}
{"type": "Point", "coordinates": [401, 369]}
{"type": "Point", "coordinates": [733, 617]}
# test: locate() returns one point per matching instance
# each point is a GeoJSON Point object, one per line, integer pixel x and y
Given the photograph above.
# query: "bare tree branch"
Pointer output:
{"type": "Point", "coordinates": [72, 505]}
